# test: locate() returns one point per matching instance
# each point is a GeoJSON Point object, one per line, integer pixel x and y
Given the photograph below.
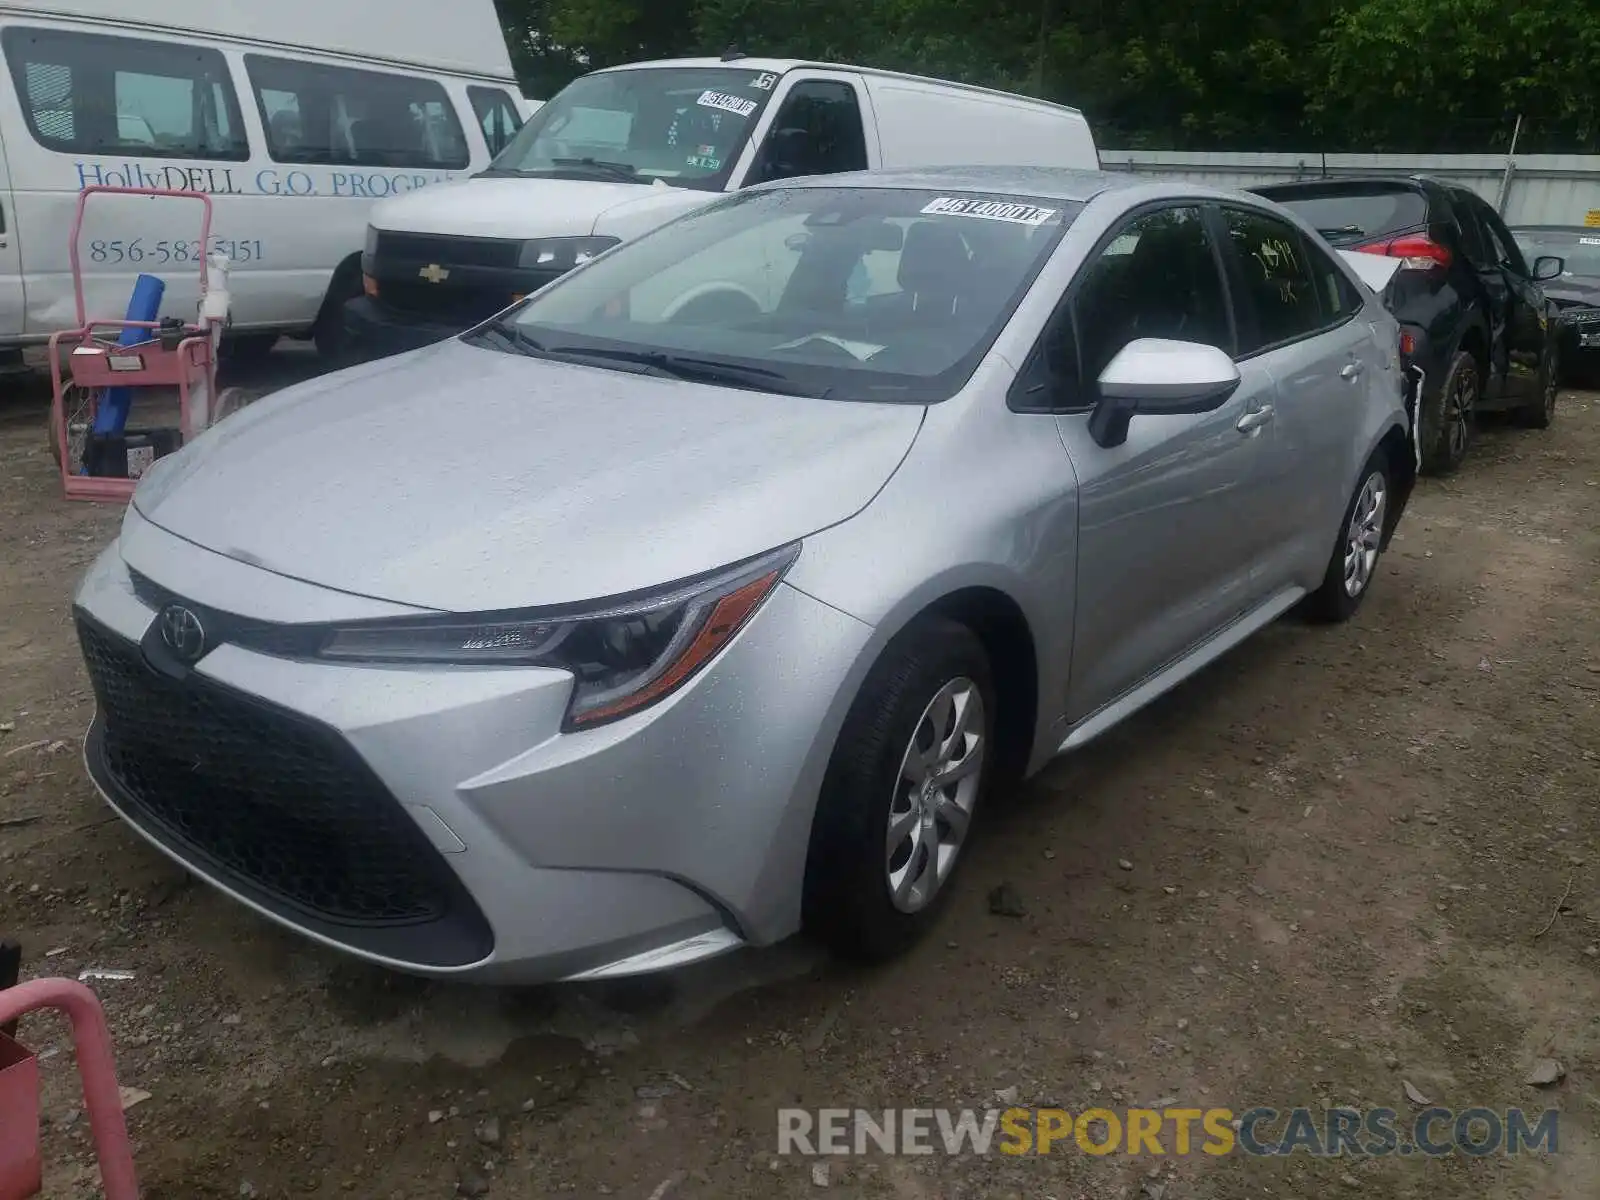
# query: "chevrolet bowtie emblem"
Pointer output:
{"type": "Point", "coordinates": [434, 273]}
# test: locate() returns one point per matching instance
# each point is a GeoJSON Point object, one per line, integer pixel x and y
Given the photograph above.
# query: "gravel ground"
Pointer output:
{"type": "Point", "coordinates": [1342, 867]}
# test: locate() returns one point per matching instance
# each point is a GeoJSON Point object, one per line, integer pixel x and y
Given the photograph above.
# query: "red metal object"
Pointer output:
{"type": "Point", "coordinates": [19, 1091]}
{"type": "Point", "coordinates": [97, 362]}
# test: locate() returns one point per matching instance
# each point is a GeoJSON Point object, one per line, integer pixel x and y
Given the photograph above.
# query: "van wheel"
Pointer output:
{"type": "Point", "coordinates": [248, 347]}
{"type": "Point", "coordinates": [900, 793]}
{"type": "Point", "coordinates": [1356, 554]}
{"type": "Point", "coordinates": [1450, 418]}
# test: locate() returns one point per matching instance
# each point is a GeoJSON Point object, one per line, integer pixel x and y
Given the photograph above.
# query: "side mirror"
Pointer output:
{"type": "Point", "coordinates": [1548, 266]}
{"type": "Point", "coordinates": [1153, 376]}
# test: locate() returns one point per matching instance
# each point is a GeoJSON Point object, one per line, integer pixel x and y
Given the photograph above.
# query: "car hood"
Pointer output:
{"type": "Point", "coordinates": [464, 479]}
{"type": "Point", "coordinates": [1569, 291]}
{"type": "Point", "coordinates": [526, 208]}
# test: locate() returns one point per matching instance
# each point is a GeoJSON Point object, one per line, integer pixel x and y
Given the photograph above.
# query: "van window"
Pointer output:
{"type": "Point", "coordinates": [816, 132]}
{"type": "Point", "coordinates": [497, 116]}
{"type": "Point", "coordinates": [343, 117]}
{"type": "Point", "coordinates": [86, 93]}
{"type": "Point", "coordinates": [685, 126]}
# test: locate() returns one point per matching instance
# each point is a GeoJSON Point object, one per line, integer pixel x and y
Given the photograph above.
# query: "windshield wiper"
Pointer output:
{"type": "Point", "coordinates": [696, 370]}
{"type": "Point", "coordinates": [617, 170]}
{"type": "Point", "coordinates": [1343, 231]}
{"type": "Point", "coordinates": [506, 336]}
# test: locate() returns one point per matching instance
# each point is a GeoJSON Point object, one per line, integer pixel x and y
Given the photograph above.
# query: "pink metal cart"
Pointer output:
{"type": "Point", "coordinates": [20, 1165]}
{"type": "Point", "coordinates": [182, 357]}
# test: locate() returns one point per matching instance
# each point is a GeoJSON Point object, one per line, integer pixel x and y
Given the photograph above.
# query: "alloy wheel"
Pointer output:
{"type": "Point", "coordinates": [1364, 538]}
{"type": "Point", "coordinates": [935, 792]}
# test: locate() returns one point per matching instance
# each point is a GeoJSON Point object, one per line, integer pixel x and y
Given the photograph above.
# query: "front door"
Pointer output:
{"type": "Point", "coordinates": [12, 307]}
{"type": "Point", "coordinates": [1168, 522]}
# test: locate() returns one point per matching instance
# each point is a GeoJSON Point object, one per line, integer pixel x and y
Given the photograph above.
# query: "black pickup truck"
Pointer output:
{"type": "Point", "coordinates": [1475, 321]}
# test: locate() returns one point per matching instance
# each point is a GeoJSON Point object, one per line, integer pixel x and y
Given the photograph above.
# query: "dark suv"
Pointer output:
{"type": "Point", "coordinates": [1474, 319]}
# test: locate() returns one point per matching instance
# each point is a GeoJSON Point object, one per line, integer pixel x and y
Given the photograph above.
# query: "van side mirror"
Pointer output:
{"type": "Point", "coordinates": [1548, 266]}
{"type": "Point", "coordinates": [1155, 376]}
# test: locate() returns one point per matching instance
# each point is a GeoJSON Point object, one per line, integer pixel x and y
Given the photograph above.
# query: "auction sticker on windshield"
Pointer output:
{"type": "Point", "coordinates": [991, 210]}
{"type": "Point", "coordinates": [727, 103]}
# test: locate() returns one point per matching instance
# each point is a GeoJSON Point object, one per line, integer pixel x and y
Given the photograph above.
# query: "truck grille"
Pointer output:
{"type": "Point", "coordinates": [447, 251]}
{"type": "Point", "coordinates": [263, 797]}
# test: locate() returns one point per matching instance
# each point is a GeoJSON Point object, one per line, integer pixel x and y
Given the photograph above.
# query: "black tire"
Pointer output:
{"type": "Point", "coordinates": [248, 347]}
{"type": "Point", "coordinates": [1541, 414]}
{"type": "Point", "coordinates": [1333, 601]}
{"type": "Point", "coordinates": [1450, 418]}
{"type": "Point", "coordinates": [848, 902]}
{"type": "Point", "coordinates": [328, 333]}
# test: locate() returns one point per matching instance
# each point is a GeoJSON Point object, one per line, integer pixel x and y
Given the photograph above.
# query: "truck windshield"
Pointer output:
{"type": "Point", "coordinates": [1581, 250]}
{"type": "Point", "coordinates": [682, 125]}
{"type": "Point", "coordinates": [853, 293]}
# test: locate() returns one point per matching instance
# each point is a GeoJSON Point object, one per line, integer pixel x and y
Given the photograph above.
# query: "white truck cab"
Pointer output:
{"type": "Point", "coordinates": [622, 151]}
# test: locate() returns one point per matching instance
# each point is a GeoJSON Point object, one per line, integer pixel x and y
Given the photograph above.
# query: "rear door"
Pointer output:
{"type": "Point", "coordinates": [1298, 317]}
{"type": "Point", "coordinates": [1499, 295]}
{"type": "Point", "coordinates": [12, 306]}
{"type": "Point", "coordinates": [1526, 322]}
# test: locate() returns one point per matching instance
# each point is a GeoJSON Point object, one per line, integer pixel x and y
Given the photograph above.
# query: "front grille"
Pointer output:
{"type": "Point", "coordinates": [448, 251]}
{"type": "Point", "coordinates": [260, 795]}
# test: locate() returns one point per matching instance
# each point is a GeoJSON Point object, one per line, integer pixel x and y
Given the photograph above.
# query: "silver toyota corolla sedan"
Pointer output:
{"type": "Point", "coordinates": [706, 594]}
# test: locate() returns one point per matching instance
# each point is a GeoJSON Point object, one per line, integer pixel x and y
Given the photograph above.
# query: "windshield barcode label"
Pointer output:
{"type": "Point", "coordinates": [991, 210]}
{"type": "Point", "coordinates": [727, 103]}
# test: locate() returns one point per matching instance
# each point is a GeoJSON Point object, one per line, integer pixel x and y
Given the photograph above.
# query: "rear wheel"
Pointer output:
{"type": "Point", "coordinates": [1355, 557]}
{"type": "Point", "coordinates": [1450, 419]}
{"type": "Point", "coordinates": [900, 793]}
{"type": "Point", "coordinates": [1541, 413]}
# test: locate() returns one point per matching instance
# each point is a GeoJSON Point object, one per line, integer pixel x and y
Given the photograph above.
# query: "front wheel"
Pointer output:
{"type": "Point", "coordinates": [1355, 557]}
{"type": "Point", "coordinates": [900, 793]}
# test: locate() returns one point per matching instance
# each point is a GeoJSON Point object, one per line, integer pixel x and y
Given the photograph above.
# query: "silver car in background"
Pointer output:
{"type": "Point", "coordinates": [704, 595]}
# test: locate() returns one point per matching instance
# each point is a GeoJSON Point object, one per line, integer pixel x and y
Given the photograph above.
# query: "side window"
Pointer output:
{"type": "Point", "coordinates": [816, 132]}
{"type": "Point", "coordinates": [1339, 298]}
{"type": "Point", "coordinates": [1278, 283]}
{"type": "Point", "coordinates": [1474, 238]}
{"type": "Point", "coordinates": [1156, 278]}
{"type": "Point", "coordinates": [1506, 250]}
{"type": "Point", "coordinates": [85, 93]}
{"type": "Point", "coordinates": [497, 116]}
{"type": "Point", "coordinates": [345, 117]}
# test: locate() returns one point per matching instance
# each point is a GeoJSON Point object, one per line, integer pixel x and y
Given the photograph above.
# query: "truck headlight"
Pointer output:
{"type": "Point", "coordinates": [562, 254]}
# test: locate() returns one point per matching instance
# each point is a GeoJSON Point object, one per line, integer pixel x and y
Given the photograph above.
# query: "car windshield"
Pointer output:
{"type": "Point", "coordinates": [683, 125]}
{"type": "Point", "coordinates": [1581, 250]}
{"type": "Point", "coordinates": [879, 294]}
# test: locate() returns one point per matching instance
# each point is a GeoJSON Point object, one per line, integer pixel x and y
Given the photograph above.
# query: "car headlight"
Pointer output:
{"type": "Point", "coordinates": [562, 254]}
{"type": "Point", "coordinates": [623, 657]}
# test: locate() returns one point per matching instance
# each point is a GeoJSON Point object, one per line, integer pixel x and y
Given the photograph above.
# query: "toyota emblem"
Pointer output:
{"type": "Point", "coordinates": [182, 632]}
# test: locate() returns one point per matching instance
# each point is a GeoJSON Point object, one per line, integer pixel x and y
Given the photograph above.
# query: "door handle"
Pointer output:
{"type": "Point", "coordinates": [1351, 370]}
{"type": "Point", "coordinates": [1253, 421]}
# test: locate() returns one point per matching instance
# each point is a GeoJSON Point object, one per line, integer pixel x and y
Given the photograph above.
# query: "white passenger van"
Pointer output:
{"type": "Point", "coordinates": [621, 151]}
{"type": "Point", "coordinates": [293, 115]}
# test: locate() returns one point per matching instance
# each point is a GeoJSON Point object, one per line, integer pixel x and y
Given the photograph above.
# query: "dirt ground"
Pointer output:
{"type": "Point", "coordinates": [1363, 860]}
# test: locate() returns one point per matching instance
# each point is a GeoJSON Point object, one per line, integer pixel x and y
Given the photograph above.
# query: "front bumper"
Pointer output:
{"type": "Point", "coordinates": [375, 331]}
{"type": "Point", "coordinates": [435, 820]}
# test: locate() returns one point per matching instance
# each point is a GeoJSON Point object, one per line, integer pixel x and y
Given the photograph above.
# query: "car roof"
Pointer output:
{"type": "Point", "coordinates": [778, 66]}
{"type": "Point", "coordinates": [1045, 183]}
{"type": "Point", "coordinates": [1584, 230]}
